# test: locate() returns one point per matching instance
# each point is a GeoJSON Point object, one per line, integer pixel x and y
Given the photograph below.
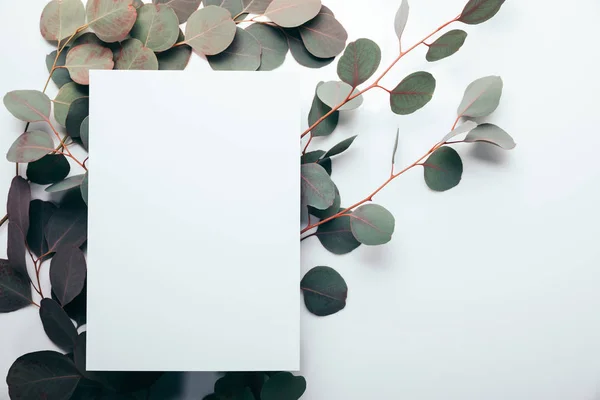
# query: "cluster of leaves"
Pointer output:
{"type": "Point", "coordinates": [258, 386]}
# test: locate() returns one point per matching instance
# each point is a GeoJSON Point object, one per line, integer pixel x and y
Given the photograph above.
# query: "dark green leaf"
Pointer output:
{"type": "Point", "coordinates": [111, 19]}
{"type": "Point", "coordinates": [334, 93]}
{"type": "Point", "coordinates": [301, 54]}
{"type": "Point", "coordinates": [340, 147]}
{"type": "Point", "coordinates": [66, 95]}
{"type": "Point", "coordinates": [61, 75]}
{"type": "Point", "coordinates": [318, 190]}
{"type": "Point", "coordinates": [69, 183]}
{"type": "Point", "coordinates": [28, 105]}
{"type": "Point", "coordinates": [359, 62]}
{"type": "Point", "coordinates": [283, 386]}
{"type": "Point", "coordinates": [81, 59]}
{"type": "Point", "coordinates": [413, 93]}
{"type": "Point", "coordinates": [446, 45]}
{"type": "Point", "coordinates": [336, 235]}
{"type": "Point", "coordinates": [242, 55]}
{"type": "Point", "coordinates": [15, 291]}
{"type": "Point", "coordinates": [156, 27]}
{"type": "Point", "coordinates": [443, 169]}
{"type": "Point", "coordinates": [67, 227]}
{"type": "Point", "coordinates": [478, 11]}
{"type": "Point", "coordinates": [57, 325]}
{"type": "Point", "coordinates": [372, 225]}
{"type": "Point", "coordinates": [17, 208]}
{"type": "Point", "coordinates": [84, 188]}
{"type": "Point", "coordinates": [490, 133]}
{"type": "Point", "coordinates": [292, 13]}
{"type": "Point", "coordinates": [481, 97]}
{"type": "Point", "coordinates": [84, 133]}
{"type": "Point", "coordinates": [273, 43]}
{"type": "Point", "coordinates": [317, 111]}
{"type": "Point", "coordinates": [183, 8]}
{"type": "Point", "coordinates": [39, 214]}
{"type": "Point", "coordinates": [42, 375]}
{"type": "Point", "coordinates": [331, 211]}
{"type": "Point", "coordinates": [326, 164]}
{"type": "Point", "coordinates": [324, 36]}
{"type": "Point", "coordinates": [76, 309]}
{"type": "Point", "coordinates": [311, 157]}
{"type": "Point", "coordinates": [49, 169]}
{"type": "Point", "coordinates": [177, 58]}
{"type": "Point", "coordinates": [78, 111]}
{"type": "Point", "coordinates": [325, 292]}
{"type": "Point", "coordinates": [210, 30]}
{"type": "Point", "coordinates": [30, 146]}
{"type": "Point", "coordinates": [67, 273]}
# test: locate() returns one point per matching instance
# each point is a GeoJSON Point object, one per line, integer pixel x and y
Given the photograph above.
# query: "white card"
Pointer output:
{"type": "Point", "coordinates": [194, 204]}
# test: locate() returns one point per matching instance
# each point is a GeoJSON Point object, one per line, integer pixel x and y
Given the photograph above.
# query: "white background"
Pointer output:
{"type": "Point", "coordinates": [488, 291]}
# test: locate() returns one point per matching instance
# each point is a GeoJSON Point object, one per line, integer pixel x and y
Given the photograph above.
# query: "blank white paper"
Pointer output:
{"type": "Point", "coordinates": [194, 203]}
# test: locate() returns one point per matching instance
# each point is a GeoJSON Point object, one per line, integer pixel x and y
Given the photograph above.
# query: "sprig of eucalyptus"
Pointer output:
{"type": "Point", "coordinates": [233, 35]}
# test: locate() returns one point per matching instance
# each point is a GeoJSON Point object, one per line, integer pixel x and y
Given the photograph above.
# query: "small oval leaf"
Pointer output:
{"type": "Point", "coordinates": [183, 8]}
{"type": "Point", "coordinates": [49, 169]}
{"type": "Point", "coordinates": [490, 133]}
{"type": "Point", "coordinates": [134, 56]}
{"type": "Point", "coordinates": [242, 55]}
{"type": "Point", "coordinates": [69, 183]}
{"type": "Point", "coordinates": [413, 93]}
{"type": "Point", "coordinates": [478, 11]}
{"type": "Point", "coordinates": [57, 325]}
{"type": "Point", "coordinates": [67, 273]}
{"type": "Point", "coordinates": [446, 45]}
{"type": "Point", "coordinates": [318, 190]}
{"type": "Point", "coordinates": [30, 146]}
{"type": "Point", "coordinates": [334, 93]}
{"type": "Point", "coordinates": [324, 36]}
{"type": "Point", "coordinates": [325, 292]}
{"type": "Point", "coordinates": [156, 27]}
{"type": "Point", "coordinates": [359, 62]}
{"type": "Point", "coordinates": [15, 290]}
{"type": "Point", "coordinates": [61, 18]}
{"type": "Point", "coordinates": [28, 105]}
{"type": "Point", "coordinates": [481, 97]}
{"type": "Point", "coordinates": [443, 169]}
{"type": "Point", "coordinates": [292, 13]}
{"type": "Point", "coordinates": [273, 43]}
{"type": "Point", "coordinates": [210, 30]}
{"type": "Point", "coordinates": [112, 20]}
{"type": "Point", "coordinates": [67, 95]}
{"type": "Point", "coordinates": [372, 225]}
{"type": "Point", "coordinates": [84, 57]}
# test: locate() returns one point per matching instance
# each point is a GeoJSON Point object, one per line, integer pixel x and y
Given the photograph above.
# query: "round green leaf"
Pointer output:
{"type": "Point", "coordinates": [359, 62]}
{"type": "Point", "coordinates": [317, 111]}
{"type": "Point", "coordinates": [69, 183]}
{"type": "Point", "coordinates": [446, 45]}
{"type": "Point", "coordinates": [336, 235]}
{"type": "Point", "coordinates": [61, 18]}
{"type": "Point", "coordinates": [413, 93]}
{"type": "Point", "coordinates": [84, 188]}
{"type": "Point", "coordinates": [443, 169]}
{"type": "Point", "coordinates": [372, 224]}
{"type": "Point", "coordinates": [84, 132]}
{"type": "Point", "coordinates": [84, 57]}
{"type": "Point", "coordinates": [176, 58]}
{"type": "Point", "coordinates": [15, 291]}
{"type": "Point", "coordinates": [111, 19]}
{"type": "Point", "coordinates": [78, 112]}
{"type": "Point", "coordinates": [329, 212]}
{"type": "Point", "coordinates": [481, 97]}
{"type": "Point", "coordinates": [67, 273]}
{"type": "Point", "coordinates": [39, 215]}
{"type": "Point", "coordinates": [325, 293]}
{"type": "Point", "coordinates": [60, 76]}
{"type": "Point", "coordinates": [292, 13]}
{"type": "Point", "coordinates": [42, 375]}
{"type": "Point", "coordinates": [66, 95]}
{"type": "Point", "coordinates": [301, 54]}
{"type": "Point", "coordinates": [490, 133]}
{"type": "Point", "coordinates": [210, 30]}
{"type": "Point", "coordinates": [401, 18]}
{"type": "Point", "coordinates": [157, 27]}
{"type": "Point", "coordinates": [318, 190]}
{"type": "Point", "coordinates": [242, 55]}
{"type": "Point", "coordinates": [324, 36]}
{"type": "Point", "coordinates": [273, 43]}
{"type": "Point", "coordinates": [57, 324]}
{"type": "Point", "coordinates": [334, 93]}
{"type": "Point", "coordinates": [135, 56]}
{"type": "Point", "coordinates": [28, 105]}
{"type": "Point", "coordinates": [30, 146]}
{"type": "Point", "coordinates": [49, 169]}
{"type": "Point", "coordinates": [478, 11]}
{"type": "Point", "coordinates": [183, 8]}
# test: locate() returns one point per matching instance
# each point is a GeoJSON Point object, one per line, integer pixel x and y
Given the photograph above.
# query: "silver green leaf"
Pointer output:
{"type": "Point", "coordinates": [318, 190]}
{"type": "Point", "coordinates": [334, 93]}
{"type": "Point", "coordinates": [359, 62]}
{"type": "Point", "coordinates": [324, 36]}
{"type": "Point", "coordinates": [210, 30]}
{"type": "Point", "coordinates": [490, 133]}
{"type": "Point", "coordinates": [292, 13]}
{"type": "Point", "coordinates": [67, 95]}
{"type": "Point", "coordinates": [317, 111]}
{"type": "Point", "coordinates": [112, 20]}
{"type": "Point", "coordinates": [481, 97]}
{"type": "Point", "coordinates": [29, 147]}
{"type": "Point", "coordinates": [177, 58]}
{"type": "Point", "coordinates": [301, 54]}
{"type": "Point", "coordinates": [28, 105]}
{"type": "Point", "coordinates": [395, 146]}
{"type": "Point", "coordinates": [413, 93]}
{"type": "Point", "coordinates": [273, 43]}
{"type": "Point", "coordinates": [446, 45]}
{"type": "Point", "coordinates": [401, 18]}
{"type": "Point", "coordinates": [242, 55]}
{"type": "Point", "coordinates": [157, 27]}
{"type": "Point", "coordinates": [256, 6]}
{"type": "Point", "coordinates": [81, 59]}
{"type": "Point", "coordinates": [69, 183]}
{"type": "Point", "coordinates": [135, 56]}
{"type": "Point", "coordinates": [183, 8]}
{"type": "Point", "coordinates": [372, 224]}
{"type": "Point", "coordinates": [464, 128]}
{"type": "Point", "coordinates": [61, 18]}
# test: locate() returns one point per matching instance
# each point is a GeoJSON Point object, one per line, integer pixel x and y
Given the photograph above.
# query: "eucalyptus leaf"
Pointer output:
{"type": "Point", "coordinates": [401, 18]}
{"type": "Point", "coordinates": [336, 235]}
{"type": "Point", "coordinates": [292, 13]}
{"type": "Point", "coordinates": [67, 273]}
{"type": "Point", "coordinates": [283, 386]}
{"type": "Point", "coordinates": [84, 132]}
{"type": "Point", "coordinates": [176, 58]}
{"type": "Point", "coordinates": [210, 30]}
{"type": "Point", "coordinates": [134, 55]}
{"type": "Point", "coordinates": [359, 62]}
{"type": "Point", "coordinates": [84, 188]}
{"type": "Point", "coordinates": [481, 97]}
{"type": "Point", "coordinates": [40, 213]}
{"type": "Point", "coordinates": [443, 169]}
{"type": "Point", "coordinates": [464, 128]}
{"type": "Point", "coordinates": [235, 7]}
{"type": "Point", "coordinates": [318, 190]}
{"type": "Point", "coordinates": [301, 54]}
{"type": "Point", "coordinates": [340, 147]}
{"type": "Point", "coordinates": [28, 105]}
{"type": "Point", "coordinates": [325, 293]}
{"type": "Point", "coordinates": [256, 6]}
{"type": "Point", "coordinates": [66, 95]}
{"type": "Point", "coordinates": [273, 43]}
{"type": "Point", "coordinates": [30, 146]}
{"type": "Point", "coordinates": [326, 164]}
{"type": "Point", "coordinates": [82, 58]}
{"type": "Point", "coordinates": [61, 18]}
{"type": "Point", "coordinates": [312, 157]}
{"type": "Point", "coordinates": [395, 146]}
{"type": "Point", "coordinates": [490, 133]}
{"type": "Point", "coordinates": [183, 8]}
{"type": "Point", "coordinates": [319, 110]}
{"type": "Point", "coordinates": [88, 38]}
{"type": "Point", "coordinates": [60, 76]}
{"type": "Point", "coordinates": [67, 227]}
{"type": "Point", "coordinates": [242, 55]}
{"type": "Point", "coordinates": [112, 20]}
{"type": "Point", "coordinates": [57, 325]}
{"type": "Point", "coordinates": [334, 93]}
{"type": "Point", "coordinates": [413, 93]}
{"type": "Point", "coordinates": [157, 27]}
{"type": "Point", "coordinates": [15, 290]}
{"type": "Point", "coordinates": [329, 212]}
{"type": "Point", "coordinates": [372, 224]}
{"type": "Point", "coordinates": [137, 3]}
{"type": "Point", "coordinates": [324, 36]}
{"type": "Point", "coordinates": [76, 309]}
{"type": "Point", "coordinates": [446, 45]}
{"type": "Point", "coordinates": [69, 183]}
{"type": "Point", "coordinates": [17, 210]}
{"type": "Point", "coordinates": [78, 112]}
{"type": "Point", "coordinates": [478, 11]}
{"type": "Point", "coordinates": [49, 169]}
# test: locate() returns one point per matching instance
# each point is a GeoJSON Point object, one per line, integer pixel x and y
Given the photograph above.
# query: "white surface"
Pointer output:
{"type": "Point", "coordinates": [188, 227]}
{"type": "Point", "coordinates": [488, 291]}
